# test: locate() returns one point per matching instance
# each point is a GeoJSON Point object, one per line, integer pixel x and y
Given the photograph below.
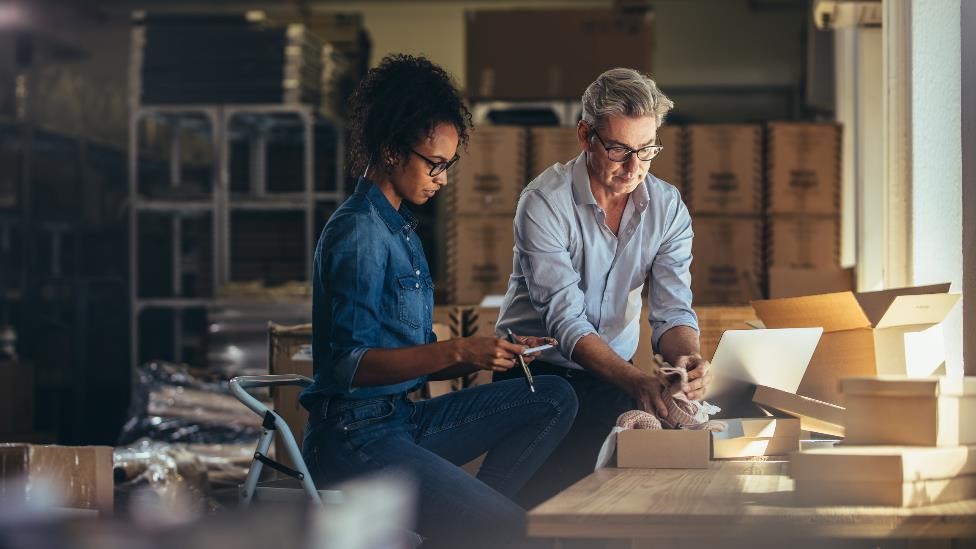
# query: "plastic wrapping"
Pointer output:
{"type": "Point", "coordinates": [171, 403]}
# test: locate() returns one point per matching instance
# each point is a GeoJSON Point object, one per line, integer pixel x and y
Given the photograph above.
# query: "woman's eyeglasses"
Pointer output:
{"type": "Point", "coordinates": [436, 167]}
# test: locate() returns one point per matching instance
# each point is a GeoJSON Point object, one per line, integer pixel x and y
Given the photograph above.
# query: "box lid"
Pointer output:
{"type": "Point", "coordinates": [834, 312]}
{"type": "Point", "coordinates": [883, 463]}
{"type": "Point", "coordinates": [904, 306]}
{"type": "Point", "coordinates": [900, 386]}
{"type": "Point", "coordinates": [847, 311]}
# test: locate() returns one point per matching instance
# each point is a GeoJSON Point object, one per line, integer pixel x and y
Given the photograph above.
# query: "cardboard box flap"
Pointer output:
{"type": "Point", "coordinates": [907, 310]}
{"type": "Point", "coordinates": [297, 329]}
{"type": "Point", "coordinates": [900, 386]}
{"type": "Point", "coordinates": [759, 428]}
{"type": "Point", "coordinates": [875, 304]}
{"type": "Point", "coordinates": [833, 312]}
{"type": "Point", "coordinates": [814, 415]}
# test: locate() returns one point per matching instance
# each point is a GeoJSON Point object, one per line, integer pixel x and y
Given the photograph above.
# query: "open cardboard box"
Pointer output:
{"type": "Point", "coordinates": [866, 334]}
{"type": "Point", "coordinates": [693, 449]}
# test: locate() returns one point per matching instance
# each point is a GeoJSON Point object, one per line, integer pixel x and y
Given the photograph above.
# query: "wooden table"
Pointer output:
{"type": "Point", "coordinates": [727, 504]}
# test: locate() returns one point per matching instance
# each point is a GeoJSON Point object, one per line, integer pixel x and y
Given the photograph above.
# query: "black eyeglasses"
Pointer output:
{"type": "Point", "coordinates": [438, 167]}
{"type": "Point", "coordinates": [619, 153]}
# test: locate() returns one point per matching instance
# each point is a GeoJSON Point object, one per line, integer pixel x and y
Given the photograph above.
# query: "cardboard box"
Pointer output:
{"type": "Point", "coordinates": [727, 263]}
{"type": "Point", "coordinates": [16, 397]}
{"type": "Point", "coordinates": [664, 449]}
{"type": "Point", "coordinates": [479, 257]}
{"type": "Point", "coordinates": [925, 412]}
{"type": "Point", "coordinates": [803, 168]}
{"type": "Point", "coordinates": [724, 169]}
{"type": "Point", "coordinates": [669, 165]}
{"type": "Point", "coordinates": [491, 173]}
{"type": "Point", "coordinates": [866, 334]}
{"type": "Point", "coordinates": [814, 415]}
{"type": "Point", "coordinates": [548, 146]}
{"type": "Point", "coordinates": [289, 352]}
{"type": "Point", "coordinates": [80, 476]}
{"type": "Point", "coordinates": [787, 282]}
{"type": "Point", "coordinates": [890, 494]}
{"type": "Point", "coordinates": [756, 437]}
{"type": "Point", "coordinates": [883, 463]}
{"type": "Point", "coordinates": [551, 54]}
{"type": "Point", "coordinates": [803, 242]}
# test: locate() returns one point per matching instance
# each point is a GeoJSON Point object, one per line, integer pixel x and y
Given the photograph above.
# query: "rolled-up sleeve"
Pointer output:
{"type": "Point", "coordinates": [669, 298]}
{"type": "Point", "coordinates": [542, 241]}
{"type": "Point", "coordinates": [353, 267]}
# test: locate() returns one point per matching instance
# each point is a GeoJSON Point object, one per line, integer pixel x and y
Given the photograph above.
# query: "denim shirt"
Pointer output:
{"type": "Point", "coordinates": [573, 277]}
{"type": "Point", "coordinates": [371, 288]}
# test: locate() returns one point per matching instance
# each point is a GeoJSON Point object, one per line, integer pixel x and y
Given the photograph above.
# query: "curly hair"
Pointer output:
{"type": "Point", "coordinates": [398, 104]}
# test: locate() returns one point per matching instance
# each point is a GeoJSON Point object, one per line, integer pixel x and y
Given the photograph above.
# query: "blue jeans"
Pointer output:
{"type": "Point", "coordinates": [429, 439]}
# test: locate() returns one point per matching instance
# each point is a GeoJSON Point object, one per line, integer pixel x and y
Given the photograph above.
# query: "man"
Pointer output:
{"type": "Point", "coordinates": [588, 234]}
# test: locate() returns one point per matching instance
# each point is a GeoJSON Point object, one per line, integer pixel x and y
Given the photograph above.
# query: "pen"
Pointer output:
{"type": "Point", "coordinates": [521, 361]}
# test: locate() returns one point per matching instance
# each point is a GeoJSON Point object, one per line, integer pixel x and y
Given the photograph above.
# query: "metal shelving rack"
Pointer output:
{"type": "Point", "coordinates": [221, 201]}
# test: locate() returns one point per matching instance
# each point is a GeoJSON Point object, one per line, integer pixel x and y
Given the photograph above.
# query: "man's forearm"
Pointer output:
{"type": "Point", "coordinates": [677, 342]}
{"type": "Point", "coordinates": [592, 353]}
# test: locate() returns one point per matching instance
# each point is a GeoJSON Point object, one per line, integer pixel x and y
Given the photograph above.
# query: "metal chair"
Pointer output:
{"type": "Point", "coordinates": [273, 423]}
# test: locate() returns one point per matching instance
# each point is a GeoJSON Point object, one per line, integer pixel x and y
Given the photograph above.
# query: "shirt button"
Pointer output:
{"type": "Point", "coordinates": [417, 272]}
{"type": "Point", "coordinates": [417, 285]}
{"type": "Point", "coordinates": [408, 238]}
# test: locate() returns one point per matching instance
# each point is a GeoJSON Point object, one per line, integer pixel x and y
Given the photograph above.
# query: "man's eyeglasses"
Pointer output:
{"type": "Point", "coordinates": [436, 167]}
{"type": "Point", "coordinates": [619, 153]}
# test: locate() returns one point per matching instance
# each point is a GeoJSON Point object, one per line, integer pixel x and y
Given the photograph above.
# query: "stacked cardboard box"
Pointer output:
{"type": "Point", "coordinates": [910, 442]}
{"type": "Point", "coordinates": [669, 165]}
{"type": "Point", "coordinates": [803, 207]}
{"type": "Point", "coordinates": [723, 191]}
{"type": "Point", "coordinates": [727, 264]}
{"type": "Point", "coordinates": [74, 477]}
{"type": "Point", "coordinates": [551, 145]}
{"type": "Point", "coordinates": [482, 194]}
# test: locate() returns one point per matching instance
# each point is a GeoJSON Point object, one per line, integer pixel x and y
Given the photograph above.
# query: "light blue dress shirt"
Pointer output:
{"type": "Point", "coordinates": [572, 276]}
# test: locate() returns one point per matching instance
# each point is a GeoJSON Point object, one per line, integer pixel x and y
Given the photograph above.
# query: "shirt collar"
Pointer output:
{"type": "Point", "coordinates": [397, 220]}
{"type": "Point", "coordinates": [583, 194]}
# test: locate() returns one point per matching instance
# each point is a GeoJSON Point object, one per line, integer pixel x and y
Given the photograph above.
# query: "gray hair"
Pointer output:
{"type": "Point", "coordinates": [624, 92]}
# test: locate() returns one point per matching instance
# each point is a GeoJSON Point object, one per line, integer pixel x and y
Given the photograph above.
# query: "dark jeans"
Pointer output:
{"type": "Point", "coordinates": [600, 403]}
{"type": "Point", "coordinates": [429, 439]}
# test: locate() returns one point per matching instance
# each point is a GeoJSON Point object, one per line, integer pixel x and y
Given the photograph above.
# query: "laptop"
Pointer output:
{"type": "Point", "coordinates": [776, 358]}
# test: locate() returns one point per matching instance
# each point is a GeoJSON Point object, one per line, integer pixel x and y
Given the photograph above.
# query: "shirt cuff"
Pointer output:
{"type": "Point", "coordinates": [660, 328]}
{"type": "Point", "coordinates": [571, 336]}
{"type": "Point", "coordinates": [347, 366]}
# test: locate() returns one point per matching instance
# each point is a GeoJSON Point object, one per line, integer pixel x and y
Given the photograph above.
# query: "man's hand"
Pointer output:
{"type": "Point", "coordinates": [646, 391]}
{"type": "Point", "coordinates": [699, 377]}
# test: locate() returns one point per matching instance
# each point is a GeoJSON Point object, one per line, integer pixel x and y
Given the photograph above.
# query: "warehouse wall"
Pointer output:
{"type": "Point", "coordinates": [698, 42]}
{"type": "Point", "coordinates": [936, 238]}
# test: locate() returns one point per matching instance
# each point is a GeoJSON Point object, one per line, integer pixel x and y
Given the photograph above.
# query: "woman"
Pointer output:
{"type": "Point", "coordinates": [372, 338]}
